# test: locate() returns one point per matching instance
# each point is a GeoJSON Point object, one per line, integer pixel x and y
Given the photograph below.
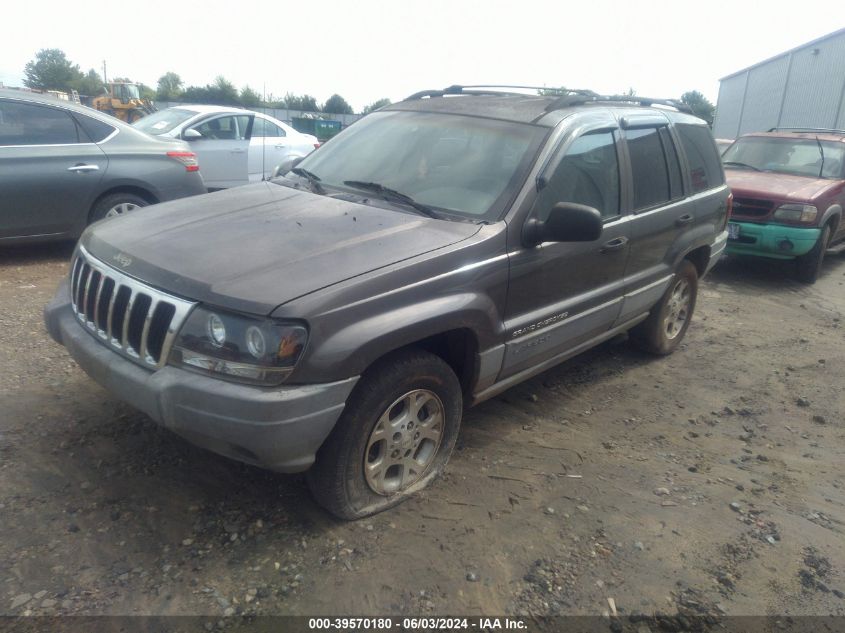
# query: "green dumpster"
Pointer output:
{"type": "Point", "coordinates": [323, 129]}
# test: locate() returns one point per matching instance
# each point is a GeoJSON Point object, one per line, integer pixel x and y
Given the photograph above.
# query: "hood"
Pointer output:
{"type": "Point", "coordinates": [773, 186]}
{"type": "Point", "coordinates": [255, 247]}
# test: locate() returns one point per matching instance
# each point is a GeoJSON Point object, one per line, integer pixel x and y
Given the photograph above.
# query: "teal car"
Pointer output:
{"type": "Point", "coordinates": [788, 193]}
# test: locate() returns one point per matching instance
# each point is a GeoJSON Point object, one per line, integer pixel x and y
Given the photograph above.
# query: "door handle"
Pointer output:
{"type": "Point", "coordinates": [280, 147]}
{"type": "Point", "coordinates": [614, 244]}
{"type": "Point", "coordinates": [83, 168]}
{"type": "Point", "coordinates": [237, 151]}
{"type": "Point", "coordinates": [684, 219]}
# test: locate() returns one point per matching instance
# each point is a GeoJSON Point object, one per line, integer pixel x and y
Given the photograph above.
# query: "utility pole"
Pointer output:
{"type": "Point", "coordinates": [105, 77]}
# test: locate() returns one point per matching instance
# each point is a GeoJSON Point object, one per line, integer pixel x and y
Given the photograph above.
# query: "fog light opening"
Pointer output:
{"type": "Point", "coordinates": [785, 245]}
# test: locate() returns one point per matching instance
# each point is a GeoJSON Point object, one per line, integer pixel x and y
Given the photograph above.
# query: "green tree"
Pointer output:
{"type": "Point", "coordinates": [169, 87]}
{"type": "Point", "coordinates": [90, 85]}
{"type": "Point", "coordinates": [250, 98]}
{"type": "Point", "coordinates": [306, 103]}
{"type": "Point", "coordinates": [375, 105]}
{"type": "Point", "coordinates": [51, 70]}
{"type": "Point", "coordinates": [700, 105]}
{"type": "Point", "coordinates": [146, 91]}
{"type": "Point", "coordinates": [221, 92]}
{"type": "Point", "coordinates": [337, 105]}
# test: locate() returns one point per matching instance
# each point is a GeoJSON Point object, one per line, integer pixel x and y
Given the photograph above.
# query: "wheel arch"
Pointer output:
{"type": "Point", "coordinates": [700, 258]}
{"type": "Point", "coordinates": [141, 192]}
{"type": "Point", "coordinates": [832, 216]}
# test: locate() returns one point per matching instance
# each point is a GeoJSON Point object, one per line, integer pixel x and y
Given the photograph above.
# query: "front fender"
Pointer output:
{"type": "Point", "coordinates": [349, 350]}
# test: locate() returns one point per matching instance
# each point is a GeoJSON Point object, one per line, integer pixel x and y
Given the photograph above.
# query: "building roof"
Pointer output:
{"type": "Point", "coordinates": [789, 52]}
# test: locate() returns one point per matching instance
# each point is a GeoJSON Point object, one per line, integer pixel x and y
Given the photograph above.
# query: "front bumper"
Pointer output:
{"type": "Point", "coordinates": [777, 241]}
{"type": "Point", "coordinates": [277, 428]}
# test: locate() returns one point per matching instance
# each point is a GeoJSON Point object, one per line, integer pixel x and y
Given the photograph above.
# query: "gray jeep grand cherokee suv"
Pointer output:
{"type": "Point", "coordinates": [338, 319]}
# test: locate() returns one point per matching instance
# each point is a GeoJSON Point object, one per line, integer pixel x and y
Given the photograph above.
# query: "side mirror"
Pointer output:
{"type": "Point", "coordinates": [567, 222]}
{"type": "Point", "coordinates": [286, 165]}
{"type": "Point", "coordinates": [191, 135]}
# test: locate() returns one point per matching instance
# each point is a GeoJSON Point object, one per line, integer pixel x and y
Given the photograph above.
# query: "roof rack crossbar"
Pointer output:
{"type": "Point", "coordinates": [571, 100]}
{"type": "Point", "coordinates": [495, 89]}
{"type": "Point", "coordinates": [806, 129]}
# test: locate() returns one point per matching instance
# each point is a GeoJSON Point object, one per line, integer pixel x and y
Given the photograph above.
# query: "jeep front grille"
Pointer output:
{"type": "Point", "coordinates": [752, 208]}
{"type": "Point", "coordinates": [123, 313]}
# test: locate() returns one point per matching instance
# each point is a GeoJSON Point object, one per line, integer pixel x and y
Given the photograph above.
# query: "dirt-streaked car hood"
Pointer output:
{"type": "Point", "coordinates": [769, 185]}
{"type": "Point", "coordinates": [255, 247]}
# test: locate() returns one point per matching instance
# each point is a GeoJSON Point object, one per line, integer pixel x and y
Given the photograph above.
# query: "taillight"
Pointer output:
{"type": "Point", "coordinates": [730, 209]}
{"type": "Point", "coordinates": [316, 145]}
{"type": "Point", "coordinates": [188, 159]}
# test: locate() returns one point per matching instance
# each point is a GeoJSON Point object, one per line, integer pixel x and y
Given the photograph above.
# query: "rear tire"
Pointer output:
{"type": "Point", "coordinates": [394, 437]}
{"type": "Point", "coordinates": [116, 204]}
{"type": "Point", "coordinates": [665, 327]}
{"type": "Point", "coordinates": [809, 265]}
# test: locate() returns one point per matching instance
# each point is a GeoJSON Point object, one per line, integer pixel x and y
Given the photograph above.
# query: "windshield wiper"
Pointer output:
{"type": "Point", "coordinates": [388, 194]}
{"type": "Point", "coordinates": [733, 162]}
{"type": "Point", "coordinates": [314, 179]}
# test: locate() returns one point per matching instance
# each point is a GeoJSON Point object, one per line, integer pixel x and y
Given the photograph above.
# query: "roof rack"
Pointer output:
{"type": "Point", "coordinates": [566, 96]}
{"type": "Point", "coordinates": [578, 99]}
{"type": "Point", "coordinates": [494, 89]}
{"type": "Point", "coordinates": [806, 129]}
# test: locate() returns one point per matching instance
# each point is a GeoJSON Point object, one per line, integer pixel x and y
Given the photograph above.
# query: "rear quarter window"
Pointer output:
{"type": "Point", "coordinates": [705, 168]}
{"type": "Point", "coordinates": [96, 130]}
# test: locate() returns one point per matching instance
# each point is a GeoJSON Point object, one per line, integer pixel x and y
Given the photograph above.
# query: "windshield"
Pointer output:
{"type": "Point", "coordinates": [163, 121]}
{"type": "Point", "coordinates": [130, 91]}
{"type": "Point", "coordinates": [795, 156]}
{"type": "Point", "coordinates": [466, 165]}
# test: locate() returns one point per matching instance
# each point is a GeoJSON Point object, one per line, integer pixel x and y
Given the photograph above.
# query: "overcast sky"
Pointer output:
{"type": "Point", "coordinates": [368, 49]}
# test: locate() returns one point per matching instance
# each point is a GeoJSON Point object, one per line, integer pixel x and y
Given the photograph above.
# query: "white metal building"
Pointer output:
{"type": "Point", "coordinates": [803, 87]}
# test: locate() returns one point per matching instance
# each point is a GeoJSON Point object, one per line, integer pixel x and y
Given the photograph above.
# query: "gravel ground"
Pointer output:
{"type": "Point", "coordinates": [708, 482]}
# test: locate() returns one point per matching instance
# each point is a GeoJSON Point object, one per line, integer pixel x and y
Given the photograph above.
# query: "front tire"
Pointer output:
{"type": "Point", "coordinates": [809, 265]}
{"type": "Point", "coordinates": [394, 437]}
{"type": "Point", "coordinates": [665, 327]}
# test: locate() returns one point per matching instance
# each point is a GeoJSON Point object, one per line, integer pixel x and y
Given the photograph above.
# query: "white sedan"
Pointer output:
{"type": "Point", "coordinates": [234, 146]}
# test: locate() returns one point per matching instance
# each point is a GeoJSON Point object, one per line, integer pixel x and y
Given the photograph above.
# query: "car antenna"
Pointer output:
{"type": "Point", "coordinates": [821, 151]}
{"type": "Point", "coordinates": [264, 138]}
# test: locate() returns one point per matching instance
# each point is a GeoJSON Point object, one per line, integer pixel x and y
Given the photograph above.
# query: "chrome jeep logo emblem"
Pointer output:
{"type": "Point", "coordinates": [122, 259]}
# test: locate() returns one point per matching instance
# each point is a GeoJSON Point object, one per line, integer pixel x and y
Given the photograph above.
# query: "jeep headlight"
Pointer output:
{"type": "Point", "coordinates": [239, 347]}
{"type": "Point", "coordinates": [796, 213]}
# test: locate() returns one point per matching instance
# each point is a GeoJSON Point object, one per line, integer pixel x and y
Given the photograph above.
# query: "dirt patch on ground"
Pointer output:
{"type": "Point", "coordinates": [705, 483]}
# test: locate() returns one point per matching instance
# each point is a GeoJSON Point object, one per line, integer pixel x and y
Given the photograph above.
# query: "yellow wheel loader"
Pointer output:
{"type": "Point", "coordinates": [122, 100]}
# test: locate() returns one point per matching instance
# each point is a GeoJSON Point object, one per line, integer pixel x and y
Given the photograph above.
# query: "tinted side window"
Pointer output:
{"type": "Point", "coordinates": [268, 129]}
{"type": "Point", "coordinates": [587, 174]}
{"type": "Point", "coordinates": [96, 130]}
{"type": "Point", "coordinates": [670, 153]}
{"type": "Point", "coordinates": [705, 168]}
{"type": "Point", "coordinates": [29, 124]}
{"type": "Point", "coordinates": [648, 168]}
